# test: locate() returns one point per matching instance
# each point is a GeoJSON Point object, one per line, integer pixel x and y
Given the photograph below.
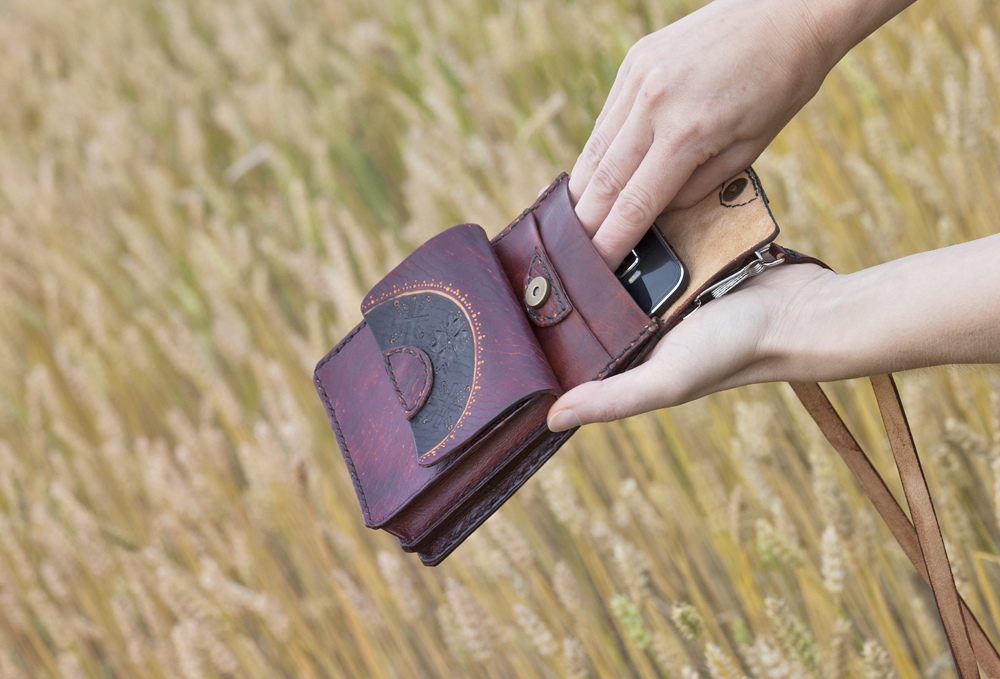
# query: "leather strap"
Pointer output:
{"type": "Point", "coordinates": [921, 540]}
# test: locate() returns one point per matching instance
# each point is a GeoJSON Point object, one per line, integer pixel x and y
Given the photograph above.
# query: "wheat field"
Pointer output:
{"type": "Point", "coordinates": [194, 197]}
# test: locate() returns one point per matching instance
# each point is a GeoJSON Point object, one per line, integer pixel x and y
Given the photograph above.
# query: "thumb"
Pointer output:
{"type": "Point", "coordinates": [629, 393]}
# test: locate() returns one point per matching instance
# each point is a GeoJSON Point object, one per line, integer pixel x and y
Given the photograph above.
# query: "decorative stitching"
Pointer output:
{"type": "Point", "coordinates": [538, 203]}
{"type": "Point", "coordinates": [610, 366]}
{"type": "Point", "coordinates": [552, 281]}
{"type": "Point", "coordinates": [392, 375]}
{"type": "Point", "coordinates": [502, 493]}
{"type": "Point", "coordinates": [343, 442]}
{"type": "Point", "coordinates": [462, 301]}
{"type": "Point", "coordinates": [415, 286]}
{"type": "Point", "coordinates": [458, 499]}
{"type": "Point", "coordinates": [756, 194]}
{"type": "Point", "coordinates": [337, 349]}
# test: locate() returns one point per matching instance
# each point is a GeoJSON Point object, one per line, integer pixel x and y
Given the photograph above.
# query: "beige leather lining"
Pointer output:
{"type": "Point", "coordinates": [716, 235]}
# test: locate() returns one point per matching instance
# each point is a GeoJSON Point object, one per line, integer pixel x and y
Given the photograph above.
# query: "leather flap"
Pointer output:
{"type": "Point", "coordinates": [412, 377]}
{"type": "Point", "coordinates": [605, 327]}
{"type": "Point", "coordinates": [448, 319]}
{"type": "Point", "coordinates": [556, 304]}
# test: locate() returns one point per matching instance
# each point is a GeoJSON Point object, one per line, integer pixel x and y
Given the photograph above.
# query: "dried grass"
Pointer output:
{"type": "Point", "coordinates": [193, 198]}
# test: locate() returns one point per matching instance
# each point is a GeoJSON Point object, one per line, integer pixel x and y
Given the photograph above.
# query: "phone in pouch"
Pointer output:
{"type": "Point", "coordinates": [653, 274]}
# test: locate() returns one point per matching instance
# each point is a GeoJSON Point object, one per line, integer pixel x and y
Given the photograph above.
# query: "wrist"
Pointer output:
{"type": "Point", "coordinates": [890, 317]}
{"type": "Point", "coordinates": [820, 31]}
{"type": "Point", "coordinates": [800, 342]}
{"type": "Point", "coordinates": [839, 25]}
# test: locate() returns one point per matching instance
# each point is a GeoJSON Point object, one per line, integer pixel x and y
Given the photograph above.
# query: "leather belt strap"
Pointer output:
{"type": "Point", "coordinates": [921, 539]}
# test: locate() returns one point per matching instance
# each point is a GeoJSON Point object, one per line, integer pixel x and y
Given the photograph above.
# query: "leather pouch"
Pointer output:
{"type": "Point", "coordinates": [438, 397]}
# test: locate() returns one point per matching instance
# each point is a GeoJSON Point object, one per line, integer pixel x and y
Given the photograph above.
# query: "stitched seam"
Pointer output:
{"type": "Point", "coordinates": [538, 204]}
{"type": "Point", "coordinates": [489, 472]}
{"type": "Point", "coordinates": [343, 446]}
{"type": "Point", "coordinates": [610, 366]}
{"type": "Point", "coordinates": [555, 288]}
{"type": "Point", "coordinates": [337, 349]}
{"type": "Point", "coordinates": [461, 300]}
{"type": "Point", "coordinates": [392, 375]}
{"type": "Point", "coordinates": [756, 195]}
{"type": "Point", "coordinates": [730, 207]}
{"type": "Point", "coordinates": [501, 492]}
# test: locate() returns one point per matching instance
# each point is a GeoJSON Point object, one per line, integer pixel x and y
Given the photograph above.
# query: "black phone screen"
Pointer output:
{"type": "Point", "coordinates": [652, 274]}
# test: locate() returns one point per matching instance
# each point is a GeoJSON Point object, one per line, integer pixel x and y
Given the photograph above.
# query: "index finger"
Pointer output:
{"type": "Point", "coordinates": [662, 172]}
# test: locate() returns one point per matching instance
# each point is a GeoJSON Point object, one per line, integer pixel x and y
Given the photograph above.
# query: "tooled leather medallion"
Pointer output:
{"type": "Point", "coordinates": [435, 323]}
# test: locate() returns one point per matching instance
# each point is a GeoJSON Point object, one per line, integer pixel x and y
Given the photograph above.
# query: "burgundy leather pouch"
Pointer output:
{"type": "Point", "coordinates": [438, 397]}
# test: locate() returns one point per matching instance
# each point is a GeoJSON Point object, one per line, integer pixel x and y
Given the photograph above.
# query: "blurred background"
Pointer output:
{"type": "Point", "coordinates": [194, 197]}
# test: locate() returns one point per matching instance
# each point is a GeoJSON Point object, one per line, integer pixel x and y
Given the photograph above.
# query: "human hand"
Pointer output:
{"type": "Point", "coordinates": [699, 100]}
{"type": "Point", "coordinates": [736, 340]}
{"type": "Point", "coordinates": [802, 323]}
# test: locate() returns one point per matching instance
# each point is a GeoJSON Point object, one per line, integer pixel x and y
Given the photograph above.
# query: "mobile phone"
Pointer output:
{"type": "Point", "coordinates": [653, 274]}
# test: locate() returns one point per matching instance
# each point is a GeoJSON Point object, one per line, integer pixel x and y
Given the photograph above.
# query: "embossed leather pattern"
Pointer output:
{"type": "Point", "coordinates": [451, 300]}
{"type": "Point", "coordinates": [432, 455]}
{"type": "Point", "coordinates": [432, 325]}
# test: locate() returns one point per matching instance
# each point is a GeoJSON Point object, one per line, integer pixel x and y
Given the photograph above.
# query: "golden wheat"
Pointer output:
{"type": "Point", "coordinates": [195, 196]}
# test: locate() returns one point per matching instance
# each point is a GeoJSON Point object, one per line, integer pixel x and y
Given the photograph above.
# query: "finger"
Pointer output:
{"type": "Point", "coordinates": [709, 176]}
{"type": "Point", "coordinates": [588, 161]}
{"type": "Point", "coordinates": [614, 172]}
{"type": "Point", "coordinates": [629, 393]}
{"type": "Point", "coordinates": [663, 170]}
{"type": "Point", "coordinates": [606, 128]}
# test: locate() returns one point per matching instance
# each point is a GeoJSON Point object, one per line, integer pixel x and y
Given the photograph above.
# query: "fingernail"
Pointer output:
{"type": "Point", "coordinates": [563, 420]}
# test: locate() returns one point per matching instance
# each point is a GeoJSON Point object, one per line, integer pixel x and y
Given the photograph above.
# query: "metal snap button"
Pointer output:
{"type": "Point", "coordinates": [537, 292]}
